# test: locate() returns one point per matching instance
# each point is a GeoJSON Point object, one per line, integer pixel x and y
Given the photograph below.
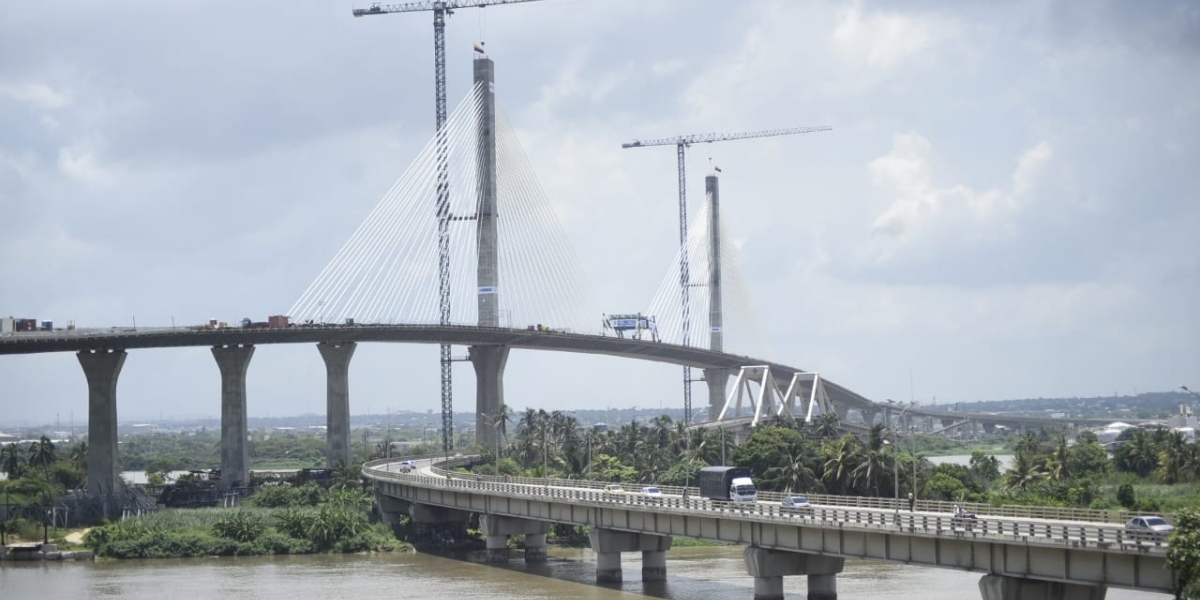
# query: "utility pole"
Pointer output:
{"type": "Point", "coordinates": [681, 144]}
{"type": "Point", "coordinates": [441, 9]}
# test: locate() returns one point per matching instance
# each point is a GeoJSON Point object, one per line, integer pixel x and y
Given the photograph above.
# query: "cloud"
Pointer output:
{"type": "Point", "coordinates": [887, 40]}
{"type": "Point", "coordinates": [39, 95]}
{"type": "Point", "coordinates": [80, 163]}
{"type": "Point", "coordinates": [920, 209]}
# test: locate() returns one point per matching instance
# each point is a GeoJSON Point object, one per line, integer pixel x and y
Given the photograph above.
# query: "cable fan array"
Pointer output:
{"type": "Point", "coordinates": [387, 272]}
{"type": "Point", "coordinates": [741, 333]}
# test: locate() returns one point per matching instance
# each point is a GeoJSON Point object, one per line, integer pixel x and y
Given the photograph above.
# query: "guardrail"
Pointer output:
{"type": "Point", "coordinates": [1052, 513]}
{"type": "Point", "coordinates": [1076, 535]}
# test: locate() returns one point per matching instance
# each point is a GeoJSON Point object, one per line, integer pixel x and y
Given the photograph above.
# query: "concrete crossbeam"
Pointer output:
{"type": "Point", "coordinates": [496, 530]}
{"type": "Point", "coordinates": [337, 357]}
{"type": "Point", "coordinates": [233, 361]}
{"type": "Point", "coordinates": [999, 587]}
{"type": "Point", "coordinates": [768, 567]}
{"type": "Point", "coordinates": [102, 368]}
{"type": "Point", "coordinates": [608, 544]}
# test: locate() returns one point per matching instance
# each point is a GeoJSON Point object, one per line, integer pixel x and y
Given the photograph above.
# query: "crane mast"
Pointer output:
{"type": "Point", "coordinates": [440, 9]}
{"type": "Point", "coordinates": [681, 143]}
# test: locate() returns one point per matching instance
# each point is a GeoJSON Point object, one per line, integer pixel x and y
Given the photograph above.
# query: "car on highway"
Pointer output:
{"type": "Point", "coordinates": [1150, 524]}
{"type": "Point", "coordinates": [651, 491]}
{"type": "Point", "coordinates": [795, 502]}
{"type": "Point", "coordinates": [614, 488]}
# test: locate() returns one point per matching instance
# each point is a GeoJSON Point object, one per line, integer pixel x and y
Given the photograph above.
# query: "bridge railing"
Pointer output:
{"type": "Point", "coordinates": [1046, 533]}
{"type": "Point", "coordinates": [1012, 511]}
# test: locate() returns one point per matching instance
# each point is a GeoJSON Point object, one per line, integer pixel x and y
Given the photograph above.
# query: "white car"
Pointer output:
{"type": "Point", "coordinates": [652, 491]}
{"type": "Point", "coordinates": [795, 502]}
{"type": "Point", "coordinates": [1150, 524]}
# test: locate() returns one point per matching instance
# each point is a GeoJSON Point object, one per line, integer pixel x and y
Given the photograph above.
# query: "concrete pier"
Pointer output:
{"type": "Point", "coordinates": [337, 401]}
{"type": "Point", "coordinates": [535, 548]}
{"type": "Point", "coordinates": [718, 382]}
{"type": "Point", "coordinates": [489, 364]}
{"type": "Point", "coordinates": [768, 567]}
{"type": "Point", "coordinates": [999, 587]}
{"type": "Point", "coordinates": [608, 544]}
{"type": "Point", "coordinates": [102, 368]}
{"type": "Point", "coordinates": [496, 530]}
{"type": "Point", "coordinates": [233, 361]}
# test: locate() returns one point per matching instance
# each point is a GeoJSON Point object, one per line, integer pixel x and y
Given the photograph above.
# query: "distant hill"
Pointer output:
{"type": "Point", "coordinates": [1151, 405]}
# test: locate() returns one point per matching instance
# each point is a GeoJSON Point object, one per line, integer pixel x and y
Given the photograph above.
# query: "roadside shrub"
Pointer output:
{"type": "Point", "coordinates": [241, 526]}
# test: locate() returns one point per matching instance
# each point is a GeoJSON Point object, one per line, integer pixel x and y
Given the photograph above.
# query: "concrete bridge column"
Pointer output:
{"type": "Point", "coordinates": [999, 587]}
{"type": "Point", "coordinates": [233, 361]}
{"type": "Point", "coordinates": [489, 364]}
{"type": "Point", "coordinates": [390, 508]}
{"type": "Point", "coordinates": [337, 401]}
{"type": "Point", "coordinates": [768, 567]}
{"type": "Point", "coordinates": [101, 368]}
{"type": "Point", "coordinates": [497, 548]}
{"type": "Point", "coordinates": [718, 382]}
{"type": "Point", "coordinates": [497, 529]}
{"type": "Point", "coordinates": [868, 415]}
{"type": "Point", "coordinates": [842, 410]}
{"type": "Point", "coordinates": [535, 547]}
{"type": "Point", "coordinates": [608, 545]}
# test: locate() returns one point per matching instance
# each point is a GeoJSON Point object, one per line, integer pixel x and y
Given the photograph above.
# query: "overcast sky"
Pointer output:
{"type": "Point", "coordinates": [1007, 206]}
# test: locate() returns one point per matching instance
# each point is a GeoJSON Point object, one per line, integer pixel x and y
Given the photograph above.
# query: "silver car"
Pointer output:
{"type": "Point", "coordinates": [1151, 524]}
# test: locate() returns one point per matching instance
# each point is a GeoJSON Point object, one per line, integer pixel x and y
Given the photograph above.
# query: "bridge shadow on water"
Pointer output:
{"type": "Point", "coordinates": [711, 573]}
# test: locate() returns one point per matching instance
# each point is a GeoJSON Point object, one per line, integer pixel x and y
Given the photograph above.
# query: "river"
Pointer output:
{"type": "Point", "coordinates": [710, 573]}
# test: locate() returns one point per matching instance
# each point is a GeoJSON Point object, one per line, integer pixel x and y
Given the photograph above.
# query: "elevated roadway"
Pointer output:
{"type": "Point", "coordinates": [1020, 557]}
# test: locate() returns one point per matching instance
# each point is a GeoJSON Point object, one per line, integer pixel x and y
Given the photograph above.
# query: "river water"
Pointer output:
{"type": "Point", "coordinates": [715, 573]}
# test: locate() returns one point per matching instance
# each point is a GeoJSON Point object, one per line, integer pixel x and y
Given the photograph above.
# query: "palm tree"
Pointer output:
{"type": "Point", "coordinates": [795, 474]}
{"type": "Point", "coordinates": [11, 458]}
{"type": "Point", "coordinates": [1139, 454]}
{"type": "Point", "coordinates": [841, 459]}
{"type": "Point", "coordinates": [873, 465]}
{"type": "Point", "coordinates": [1174, 458]}
{"type": "Point", "coordinates": [1023, 473]}
{"type": "Point", "coordinates": [828, 426]}
{"type": "Point", "coordinates": [79, 455]}
{"type": "Point", "coordinates": [43, 453]}
{"type": "Point", "coordinates": [499, 420]}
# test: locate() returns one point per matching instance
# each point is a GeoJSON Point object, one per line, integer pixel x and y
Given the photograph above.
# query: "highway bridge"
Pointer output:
{"type": "Point", "coordinates": [102, 354]}
{"type": "Point", "coordinates": [1020, 556]}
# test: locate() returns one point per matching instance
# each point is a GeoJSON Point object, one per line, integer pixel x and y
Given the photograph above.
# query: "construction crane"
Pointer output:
{"type": "Point", "coordinates": [681, 143]}
{"type": "Point", "coordinates": [441, 9]}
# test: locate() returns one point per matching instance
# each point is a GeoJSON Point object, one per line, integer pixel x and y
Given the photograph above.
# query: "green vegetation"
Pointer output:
{"type": "Point", "coordinates": [1154, 472]}
{"type": "Point", "coordinates": [278, 520]}
{"type": "Point", "coordinates": [1183, 554]}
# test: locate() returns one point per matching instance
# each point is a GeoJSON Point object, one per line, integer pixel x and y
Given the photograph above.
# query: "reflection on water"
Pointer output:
{"type": "Point", "coordinates": [716, 573]}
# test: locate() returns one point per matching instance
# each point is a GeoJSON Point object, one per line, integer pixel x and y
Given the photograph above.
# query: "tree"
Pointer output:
{"type": "Point", "coordinates": [1183, 554]}
{"type": "Point", "coordinates": [1174, 459]}
{"type": "Point", "coordinates": [42, 453]}
{"type": "Point", "coordinates": [1024, 473]}
{"type": "Point", "coordinates": [828, 426]}
{"type": "Point", "coordinates": [841, 457]}
{"type": "Point", "coordinates": [11, 459]}
{"type": "Point", "coordinates": [1139, 454]}
{"type": "Point", "coordinates": [779, 457]}
{"type": "Point", "coordinates": [499, 420]}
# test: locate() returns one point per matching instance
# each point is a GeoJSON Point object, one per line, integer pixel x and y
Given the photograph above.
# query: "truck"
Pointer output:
{"type": "Point", "coordinates": [727, 484]}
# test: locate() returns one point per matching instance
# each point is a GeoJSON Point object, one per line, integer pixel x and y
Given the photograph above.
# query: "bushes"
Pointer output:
{"type": "Point", "coordinates": [241, 526]}
{"type": "Point", "coordinates": [337, 523]}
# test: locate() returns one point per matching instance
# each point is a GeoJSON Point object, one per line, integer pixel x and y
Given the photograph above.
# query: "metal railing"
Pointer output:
{"type": "Point", "coordinates": [1043, 533]}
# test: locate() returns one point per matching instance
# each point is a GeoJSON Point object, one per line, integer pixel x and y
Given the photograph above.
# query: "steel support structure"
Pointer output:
{"type": "Point", "coordinates": [684, 279]}
{"type": "Point", "coordinates": [443, 220]}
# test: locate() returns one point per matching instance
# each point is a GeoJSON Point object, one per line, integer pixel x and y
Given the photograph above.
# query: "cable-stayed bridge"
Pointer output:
{"type": "Point", "coordinates": [466, 228]}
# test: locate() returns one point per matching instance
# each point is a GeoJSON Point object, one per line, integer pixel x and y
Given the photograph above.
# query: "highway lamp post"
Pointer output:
{"type": "Point", "coordinates": [896, 453]}
{"type": "Point", "coordinates": [1190, 391]}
